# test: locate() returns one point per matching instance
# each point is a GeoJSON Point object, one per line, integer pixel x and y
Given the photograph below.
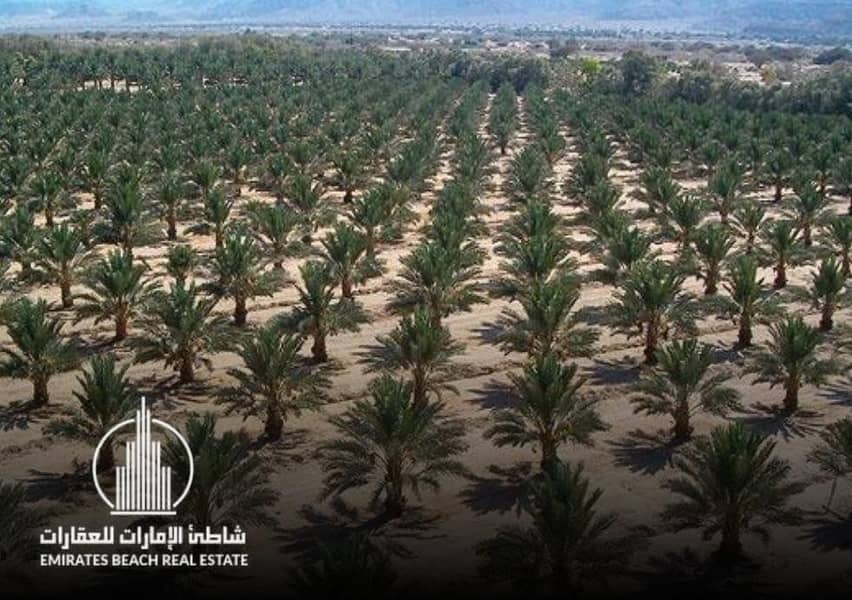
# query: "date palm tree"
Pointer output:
{"type": "Point", "coordinates": [352, 568]}
{"type": "Point", "coordinates": [683, 216]}
{"type": "Point", "coordinates": [842, 178]}
{"type": "Point", "coordinates": [828, 291]}
{"type": "Point", "coordinates": [216, 214]}
{"type": "Point", "coordinates": [566, 546]}
{"type": "Point", "coordinates": [116, 289]}
{"type": "Point", "coordinates": [833, 453]}
{"type": "Point", "coordinates": [790, 358]}
{"type": "Point", "coordinates": [839, 233]}
{"type": "Point", "coordinates": [529, 176]}
{"type": "Point", "coordinates": [625, 248]}
{"type": "Point", "coordinates": [749, 218]}
{"type": "Point", "coordinates": [181, 260]}
{"type": "Point", "coordinates": [170, 195]}
{"type": "Point", "coordinates": [782, 239]}
{"type": "Point", "coordinates": [546, 322]}
{"type": "Point", "coordinates": [237, 272]}
{"type": "Point", "coordinates": [204, 175]}
{"type": "Point", "coordinates": [344, 250]}
{"type": "Point", "coordinates": [273, 380]}
{"type": "Point", "coordinates": [437, 277]}
{"type": "Point", "coordinates": [127, 220]}
{"type": "Point", "coordinates": [724, 187]}
{"type": "Point", "coordinates": [748, 298]}
{"type": "Point", "coordinates": [651, 299]}
{"type": "Point", "coordinates": [349, 174]}
{"type": "Point", "coordinates": [106, 398]}
{"type": "Point", "coordinates": [809, 208]}
{"type": "Point", "coordinates": [392, 443]}
{"type": "Point", "coordinates": [273, 226]}
{"type": "Point", "coordinates": [20, 523]}
{"type": "Point", "coordinates": [731, 484]}
{"type": "Point", "coordinates": [778, 165]}
{"type": "Point", "coordinates": [712, 245]}
{"type": "Point", "coordinates": [19, 239]}
{"type": "Point", "coordinates": [319, 313]}
{"type": "Point", "coordinates": [39, 351]}
{"type": "Point", "coordinates": [229, 484]}
{"type": "Point", "coordinates": [307, 200]}
{"type": "Point", "coordinates": [682, 384]}
{"type": "Point", "coordinates": [61, 258]}
{"type": "Point", "coordinates": [46, 189]}
{"type": "Point", "coordinates": [180, 329]}
{"type": "Point", "coordinates": [419, 348]}
{"type": "Point", "coordinates": [547, 409]}
{"type": "Point", "coordinates": [380, 215]}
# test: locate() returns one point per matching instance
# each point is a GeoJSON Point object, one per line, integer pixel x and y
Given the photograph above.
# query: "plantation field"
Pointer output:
{"type": "Point", "coordinates": [408, 252]}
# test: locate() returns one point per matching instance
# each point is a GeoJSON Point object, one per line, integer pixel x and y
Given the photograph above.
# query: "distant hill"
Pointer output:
{"type": "Point", "coordinates": [791, 17]}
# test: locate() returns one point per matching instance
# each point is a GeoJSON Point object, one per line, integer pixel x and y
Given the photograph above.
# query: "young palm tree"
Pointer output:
{"type": "Point", "coordinates": [353, 568]}
{"type": "Point", "coordinates": [39, 350]}
{"type": "Point", "coordinates": [790, 359]}
{"type": "Point", "coordinates": [748, 219]}
{"type": "Point", "coordinates": [344, 250]}
{"type": "Point", "coordinates": [61, 258]}
{"type": "Point", "coordinates": [349, 174]}
{"type": "Point", "coordinates": [839, 232]}
{"type": "Point", "coordinates": [529, 175]}
{"type": "Point", "coordinates": [683, 216]}
{"type": "Point", "coordinates": [391, 443]}
{"type": "Point", "coordinates": [749, 299]}
{"type": "Point", "coordinates": [842, 178]}
{"type": "Point", "coordinates": [19, 239]}
{"type": "Point", "coordinates": [306, 199]}
{"type": "Point", "coordinates": [724, 186]}
{"type": "Point", "coordinates": [833, 453]}
{"type": "Point", "coordinates": [117, 288]}
{"type": "Point", "coordinates": [565, 547]}
{"type": "Point", "coordinates": [625, 248]}
{"type": "Point", "coordinates": [274, 380]}
{"type": "Point", "coordinates": [20, 523]}
{"type": "Point", "coordinates": [180, 328]}
{"type": "Point", "coordinates": [170, 195]}
{"type": "Point", "coordinates": [828, 291]}
{"type": "Point", "coordinates": [778, 165]}
{"type": "Point", "coordinates": [204, 176]}
{"type": "Point", "coordinates": [809, 208]}
{"type": "Point", "coordinates": [319, 313]}
{"type": "Point", "coordinates": [380, 215]}
{"type": "Point", "coordinates": [237, 272]}
{"type": "Point", "coordinates": [181, 260]}
{"type": "Point", "coordinates": [229, 481]}
{"type": "Point", "coordinates": [547, 409]}
{"type": "Point", "coordinates": [782, 237]}
{"type": "Point", "coordinates": [712, 244]}
{"type": "Point", "coordinates": [438, 278]}
{"type": "Point", "coordinates": [731, 484]}
{"type": "Point", "coordinates": [547, 322]}
{"type": "Point", "coordinates": [128, 220]}
{"type": "Point", "coordinates": [651, 298]}
{"type": "Point", "coordinates": [217, 212]}
{"type": "Point", "coordinates": [682, 384]}
{"type": "Point", "coordinates": [273, 226]}
{"type": "Point", "coordinates": [46, 189]}
{"type": "Point", "coordinates": [419, 348]}
{"type": "Point", "coordinates": [106, 398]}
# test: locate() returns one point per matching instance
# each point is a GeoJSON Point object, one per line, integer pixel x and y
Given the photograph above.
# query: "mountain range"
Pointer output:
{"type": "Point", "coordinates": [832, 17]}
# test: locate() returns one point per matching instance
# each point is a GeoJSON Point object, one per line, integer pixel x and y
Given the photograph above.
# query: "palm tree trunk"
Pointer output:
{"type": "Point", "coordinates": [682, 428]}
{"type": "Point", "coordinates": [187, 370]}
{"type": "Point", "coordinates": [120, 325]}
{"type": "Point", "coordinates": [419, 387]}
{"type": "Point", "coordinates": [791, 395]}
{"type": "Point", "coordinates": [826, 322]}
{"type": "Point", "coordinates": [274, 422]}
{"type": "Point", "coordinates": [711, 285]}
{"type": "Point", "coordinates": [780, 275]}
{"type": "Point", "coordinates": [106, 459]}
{"type": "Point", "coordinates": [40, 394]}
{"type": "Point", "coordinates": [731, 545]}
{"type": "Point", "coordinates": [319, 350]}
{"type": "Point", "coordinates": [846, 268]}
{"type": "Point", "coordinates": [549, 457]}
{"type": "Point", "coordinates": [65, 292]}
{"type": "Point", "coordinates": [395, 500]}
{"type": "Point", "coordinates": [48, 215]}
{"type": "Point", "coordinates": [744, 335]}
{"type": "Point", "coordinates": [240, 311]}
{"type": "Point", "coordinates": [171, 221]}
{"type": "Point", "coordinates": [806, 234]}
{"type": "Point", "coordinates": [651, 339]}
{"type": "Point", "coordinates": [346, 287]}
{"type": "Point", "coordinates": [778, 191]}
{"type": "Point", "coordinates": [347, 197]}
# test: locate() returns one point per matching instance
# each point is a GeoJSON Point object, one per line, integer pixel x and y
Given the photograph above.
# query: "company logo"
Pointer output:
{"type": "Point", "coordinates": [143, 486]}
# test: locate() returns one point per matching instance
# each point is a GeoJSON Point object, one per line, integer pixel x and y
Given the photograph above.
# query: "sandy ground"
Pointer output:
{"type": "Point", "coordinates": [628, 462]}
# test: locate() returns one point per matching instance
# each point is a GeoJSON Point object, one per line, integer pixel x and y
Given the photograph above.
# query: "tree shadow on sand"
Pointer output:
{"type": "Point", "coordinates": [829, 531]}
{"type": "Point", "coordinates": [686, 573]}
{"type": "Point", "coordinates": [59, 487]}
{"type": "Point", "coordinates": [612, 372]}
{"type": "Point", "coordinates": [494, 395]}
{"type": "Point", "coordinates": [771, 420]}
{"type": "Point", "coordinates": [343, 520]}
{"type": "Point", "coordinates": [291, 448]}
{"type": "Point", "coordinates": [20, 415]}
{"type": "Point", "coordinates": [501, 493]}
{"type": "Point", "coordinates": [643, 452]}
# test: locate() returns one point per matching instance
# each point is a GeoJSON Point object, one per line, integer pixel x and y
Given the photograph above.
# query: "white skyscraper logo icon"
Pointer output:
{"type": "Point", "coordinates": [143, 486]}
